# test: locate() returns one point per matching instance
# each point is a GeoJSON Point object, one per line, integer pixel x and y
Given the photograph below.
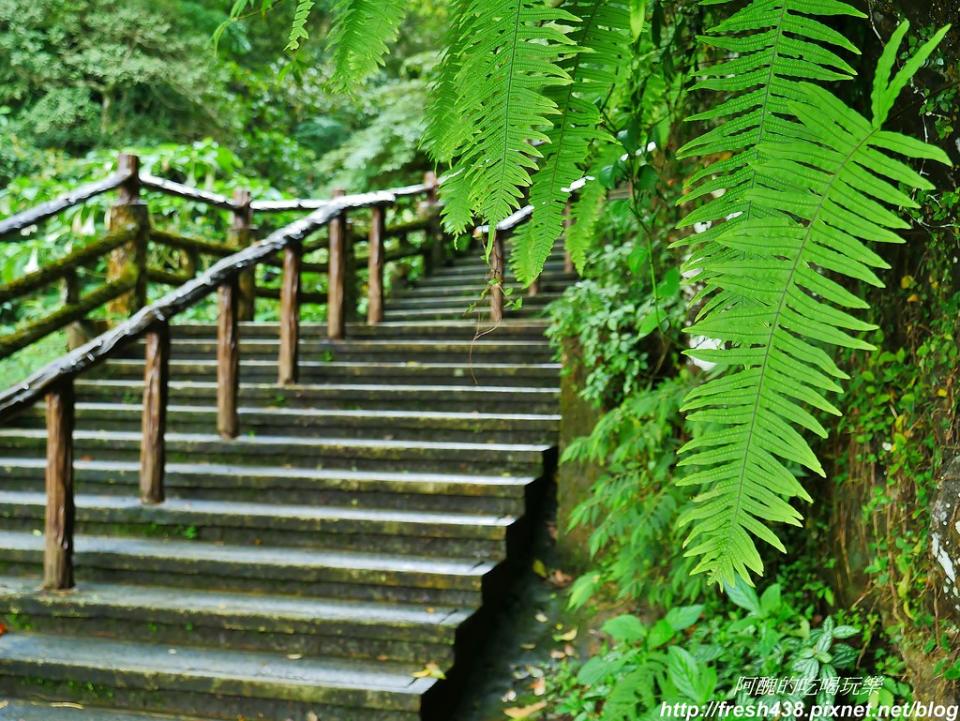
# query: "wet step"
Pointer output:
{"type": "Point", "coordinates": [421, 351]}
{"type": "Point", "coordinates": [477, 280]}
{"type": "Point", "coordinates": [535, 375]}
{"type": "Point", "coordinates": [286, 625]}
{"type": "Point", "coordinates": [400, 532]}
{"type": "Point", "coordinates": [12, 710]}
{"type": "Point", "coordinates": [296, 451]}
{"type": "Point", "coordinates": [423, 300]}
{"type": "Point", "coordinates": [341, 396]}
{"type": "Point", "coordinates": [443, 492]}
{"type": "Point", "coordinates": [387, 424]}
{"type": "Point", "coordinates": [260, 569]}
{"type": "Point", "coordinates": [213, 683]}
{"type": "Point", "coordinates": [453, 312]}
{"type": "Point", "coordinates": [454, 330]}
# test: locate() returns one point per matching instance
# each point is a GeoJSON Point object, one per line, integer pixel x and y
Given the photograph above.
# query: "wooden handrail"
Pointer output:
{"type": "Point", "coordinates": [27, 218]}
{"type": "Point", "coordinates": [62, 267]}
{"type": "Point", "coordinates": [179, 190]}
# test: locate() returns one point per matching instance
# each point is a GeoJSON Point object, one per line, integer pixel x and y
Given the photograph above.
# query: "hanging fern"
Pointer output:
{"type": "Point", "coordinates": [603, 38]}
{"type": "Point", "coordinates": [509, 58]}
{"type": "Point", "coordinates": [298, 29]}
{"type": "Point", "coordinates": [360, 37]}
{"type": "Point", "coordinates": [819, 186]}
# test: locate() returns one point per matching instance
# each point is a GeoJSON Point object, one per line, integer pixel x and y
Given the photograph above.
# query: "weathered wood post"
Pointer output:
{"type": "Point", "coordinates": [336, 283]}
{"type": "Point", "coordinates": [239, 237]}
{"type": "Point", "coordinates": [375, 262]}
{"type": "Point", "coordinates": [438, 255]}
{"type": "Point", "coordinates": [228, 359]}
{"type": "Point", "coordinates": [496, 277]}
{"type": "Point", "coordinates": [288, 363]}
{"type": "Point", "coordinates": [156, 385]}
{"type": "Point", "coordinates": [130, 258]}
{"type": "Point", "coordinates": [58, 526]}
{"type": "Point", "coordinates": [534, 289]}
{"type": "Point", "coordinates": [76, 336]}
{"type": "Point", "coordinates": [567, 222]}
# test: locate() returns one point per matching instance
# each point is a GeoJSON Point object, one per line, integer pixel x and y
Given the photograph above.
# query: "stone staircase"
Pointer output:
{"type": "Point", "coordinates": [353, 538]}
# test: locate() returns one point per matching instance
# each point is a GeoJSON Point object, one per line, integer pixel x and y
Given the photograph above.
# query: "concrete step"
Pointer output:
{"type": "Point", "coordinates": [440, 492]}
{"type": "Point", "coordinates": [400, 532]}
{"type": "Point", "coordinates": [295, 451]}
{"type": "Point", "coordinates": [386, 424]}
{"type": "Point", "coordinates": [420, 351]}
{"type": "Point", "coordinates": [14, 710]}
{"type": "Point", "coordinates": [285, 625]}
{"type": "Point", "coordinates": [260, 569]}
{"type": "Point", "coordinates": [528, 375]}
{"type": "Point", "coordinates": [462, 300]}
{"type": "Point", "coordinates": [477, 278]}
{"type": "Point", "coordinates": [214, 683]}
{"type": "Point", "coordinates": [455, 330]}
{"type": "Point", "coordinates": [343, 396]}
{"type": "Point", "coordinates": [526, 310]}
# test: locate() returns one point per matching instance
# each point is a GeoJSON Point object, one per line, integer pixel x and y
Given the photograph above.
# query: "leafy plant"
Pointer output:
{"type": "Point", "coordinates": [804, 193]}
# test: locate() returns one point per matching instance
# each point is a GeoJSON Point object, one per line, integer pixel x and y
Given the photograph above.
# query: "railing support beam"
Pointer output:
{"type": "Point", "coordinates": [337, 274]}
{"type": "Point", "coordinates": [156, 386]}
{"type": "Point", "coordinates": [60, 513]}
{"type": "Point", "coordinates": [496, 278]}
{"type": "Point", "coordinates": [130, 259]}
{"type": "Point", "coordinates": [239, 237]}
{"type": "Point", "coordinates": [228, 359]}
{"type": "Point", "coordinates": [288, 363]}
{"type": "Point", "coordinates": [375, 262]}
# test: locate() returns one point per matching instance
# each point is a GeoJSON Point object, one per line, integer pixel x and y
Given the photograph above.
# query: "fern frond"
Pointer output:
{"type": "Point", "coordinates": [603, 38]}
{"type": "Point", "coordinates": [445, 131]}
{"type": "Point", "coordinates": [298, 30]}
{"type": "Point", "coordinates": [826, 182]}
{"type": "Point", "coordinates": [360, 37]}
{"type": "Point", "coordinates": [509, 59]}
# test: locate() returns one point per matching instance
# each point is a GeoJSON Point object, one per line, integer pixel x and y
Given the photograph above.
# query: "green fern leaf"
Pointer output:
{"type": "Point", "coordinates": [509, 59]}
{"type": "Point", "coordinates": [360, 37]}
{"type": "Point", "coordinates": [298, 30]}
{"type": "Point", "coordinates": [603, 41]}
{"type": "Point", "coordinates": [822, 188]}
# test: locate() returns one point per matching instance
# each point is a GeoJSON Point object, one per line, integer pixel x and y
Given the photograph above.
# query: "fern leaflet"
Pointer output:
{"type": "Point", "coordinates": [360, 37]}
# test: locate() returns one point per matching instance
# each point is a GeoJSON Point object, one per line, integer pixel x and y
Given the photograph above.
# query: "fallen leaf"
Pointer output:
{"type": "Point", "coordinates": [3, 629]}
{"type": "Point", "coordinates": [541, 617]}
{"type": "Point", "coordinates": [528, 646]}
{"type": "Point", "coordinates": [311, 716]}
{"type": "Point", "coordinates": [560, 579]}
{"type": "Point", "coordinates": [568, 636]}
{"type": "Point", "coordinates": [525, 711]}
{"type": "Point", "coordinates": [431, 670]}
{"type": "Point", "coordinates": [557, 655]}
{"type": "Point", "coordinates": [294, 656]}
{"type": "Point", "coordinates": [539, 568]}
{"type": "Point", "coordinates": [539, 687]}
{"type": "Point", "coordinates": [569, 650]}
{"type": "Point", "coordinates": [510, 695]}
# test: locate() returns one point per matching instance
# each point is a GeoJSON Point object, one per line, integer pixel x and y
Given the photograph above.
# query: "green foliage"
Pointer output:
{"type": "Point", "coordinates": [808, 193]}
{"type": "Point", "coordinates": [603, 55]}
{"type": "Point", "coordinates": [697, 654]}
{"type": "Point", "coordinates": [361, 32]}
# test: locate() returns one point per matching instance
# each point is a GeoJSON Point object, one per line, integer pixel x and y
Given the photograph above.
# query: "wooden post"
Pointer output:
{"type": "Point", "coordinates": [240, 237]}
{"type": "Point", "coordinates": [71, 296]}
{"type": "Point", "coordinates": [534, 289]}
{"type": "Point", "coordinates": [156, 383]}
{"type": "Point", "coordinates": [336, 319]}
{"type": "Point", "coordinates": [496, 278]}
{"type": "Point", "coordinates": [288, 363]}
{"type": "Point", "coordinates": [130, 258]}
{"type": "Point", "coordinates": [375, 265]}
{"type": "Point", "coordinates": [228, 360]}
{"type": "Point", "coordinates": [567, 222]}
{"type": "Point", "coordinates": [58, 527]}
{"type": "Point", "coordinates": [438, 253]}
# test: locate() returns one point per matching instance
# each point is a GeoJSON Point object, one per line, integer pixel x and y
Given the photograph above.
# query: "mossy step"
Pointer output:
{"type": "Point", "coordinates": [14, 710]}
{"type": "Point", "coordinates": [479, 277]}
{"type": "Point", "coordinates": [526, 310]}
{"type": "Point", "coordinates": [297, 451]}
{"type": "Point", "coordinates": [451, 330]}
{"type": "Point", "coordinates": [388, 424]}
{"type": "Point", "coordinates": [262, 569]}
{"type": "Point", "coordinates": [344, 396]}
{"type": "Point", "coordinates": [479, 265]}
{"type": "Point", "coordinates": [425, 351]}
{"type": "Point", "coordinates": [501, 495]}
{"type": "Point", "coordinates": [417, 533]}
{"type": "Point", "coordinates": [279, 624]}
{"type": "Point", "coordinates": [535, 375]}
{"type": "Point", "coordinates": [462, 300]}
{"type": "Point", "coordinates": [215, 683]}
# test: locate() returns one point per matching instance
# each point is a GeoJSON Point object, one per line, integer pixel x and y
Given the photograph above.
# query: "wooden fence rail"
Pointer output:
{"type": "Point", "coordinates": [230, 278]}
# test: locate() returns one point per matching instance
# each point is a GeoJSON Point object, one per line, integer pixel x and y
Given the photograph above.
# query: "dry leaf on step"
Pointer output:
{"type": "Point", "coordinates": [431, 670]}
{"type": "Point", "coordinates": [525, 711]}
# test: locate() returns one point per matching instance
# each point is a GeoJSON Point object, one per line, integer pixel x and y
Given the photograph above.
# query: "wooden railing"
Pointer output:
{"type": "Point", "coordinates": [231, 277]}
